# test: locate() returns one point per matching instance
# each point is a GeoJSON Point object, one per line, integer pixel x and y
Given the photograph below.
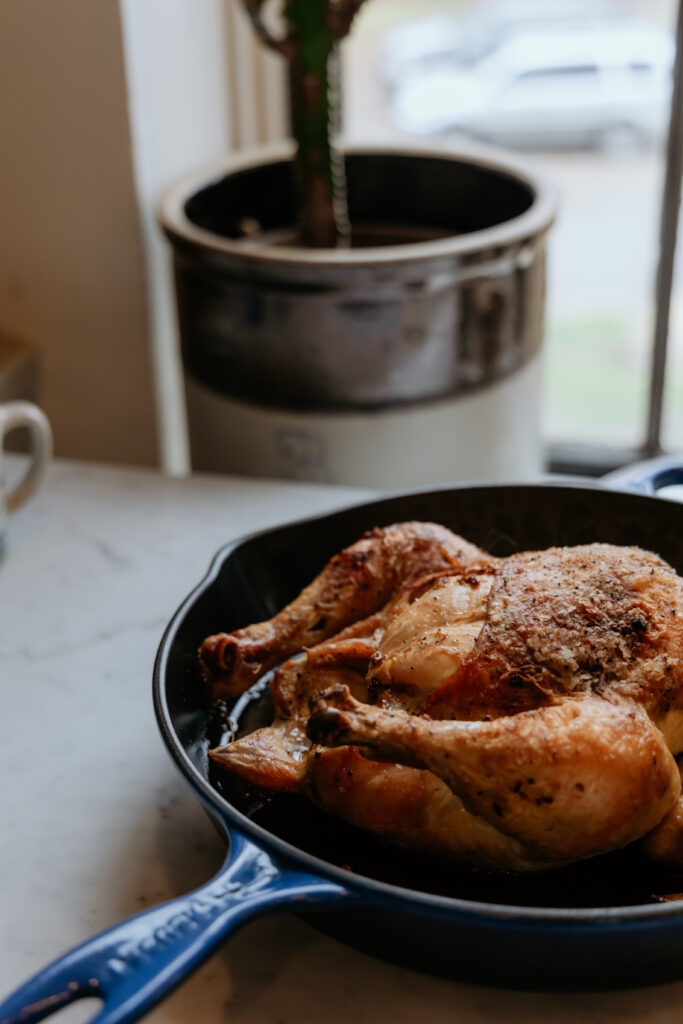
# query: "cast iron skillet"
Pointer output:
{"type": "Point", "coordinates": [597, 925]}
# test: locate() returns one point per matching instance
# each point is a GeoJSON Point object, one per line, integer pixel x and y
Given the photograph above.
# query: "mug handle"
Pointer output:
{"type": "Point", "coordinates": [26, 414]}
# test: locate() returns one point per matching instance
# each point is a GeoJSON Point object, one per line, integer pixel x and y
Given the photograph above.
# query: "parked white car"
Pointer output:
{"type": "Point", "coordinates": [576, 86]}
{"type": "Point", "coordinates": [461, 40]}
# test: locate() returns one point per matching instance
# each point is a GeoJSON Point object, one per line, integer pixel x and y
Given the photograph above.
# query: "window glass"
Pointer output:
{"type": "Point", "coordinates": [672, 420]}
{"type": "Point", "coordinates": [580, 92]}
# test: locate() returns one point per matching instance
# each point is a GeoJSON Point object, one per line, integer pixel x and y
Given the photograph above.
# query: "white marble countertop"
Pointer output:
{"type": "Point", "coordinates": [97, 823]}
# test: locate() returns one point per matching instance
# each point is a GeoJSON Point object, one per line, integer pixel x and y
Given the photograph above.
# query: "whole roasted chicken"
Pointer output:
{"type": "Point", "coordinates": [515, 714]}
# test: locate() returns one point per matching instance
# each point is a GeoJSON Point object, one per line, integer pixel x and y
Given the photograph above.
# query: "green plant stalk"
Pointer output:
{"type": "Point", "coordinates": [314, 90]}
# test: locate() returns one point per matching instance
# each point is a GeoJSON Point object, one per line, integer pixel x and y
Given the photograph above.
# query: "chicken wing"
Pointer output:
{"type": "Point", "coordinates": [274, 757]}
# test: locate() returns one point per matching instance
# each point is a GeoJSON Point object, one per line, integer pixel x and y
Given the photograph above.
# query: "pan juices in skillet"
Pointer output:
{"type": "Point", "coordinates": [512, 714]}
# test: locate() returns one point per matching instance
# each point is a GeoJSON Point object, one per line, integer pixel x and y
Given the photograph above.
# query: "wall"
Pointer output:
{"type": "Point", "coordinates": [71, 260]}
{"type": "Point", "coordinates": [102, 104]}
{"type": "Point", "coordinates": [175, 63]}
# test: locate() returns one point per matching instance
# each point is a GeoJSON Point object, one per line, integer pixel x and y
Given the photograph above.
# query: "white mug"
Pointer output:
{"type": "Point", "coordinates": [23, 414]}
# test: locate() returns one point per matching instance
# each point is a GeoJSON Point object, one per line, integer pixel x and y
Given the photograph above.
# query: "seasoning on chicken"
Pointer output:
{"type": "Point", "coordinates": [514, 714]}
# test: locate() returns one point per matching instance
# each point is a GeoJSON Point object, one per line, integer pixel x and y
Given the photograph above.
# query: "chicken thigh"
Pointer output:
{"type": "Point", "coordinates": [514, 714]}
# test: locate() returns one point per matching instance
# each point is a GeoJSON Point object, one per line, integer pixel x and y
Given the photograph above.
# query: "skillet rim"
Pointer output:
{"type": "Point", "coordinates": [228, 814]}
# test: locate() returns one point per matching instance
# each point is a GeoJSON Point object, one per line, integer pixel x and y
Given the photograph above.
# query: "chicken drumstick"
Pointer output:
{"type": "Point", "coordinates": [354, 584]}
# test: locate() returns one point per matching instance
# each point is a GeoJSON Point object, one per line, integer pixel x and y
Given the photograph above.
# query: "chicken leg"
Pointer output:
{"type": "Point", "coordinates": [354, 584]}
{"type": "Point", "coordinates": [569, 780]}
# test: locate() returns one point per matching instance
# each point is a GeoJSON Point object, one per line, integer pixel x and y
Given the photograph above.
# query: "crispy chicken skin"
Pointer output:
{"type": "Point", "coordinates": [664, 844]}
{"type": "Point", "coordinates": [514, 714]}
{"type": "Point", "coordinates": [568, 781]}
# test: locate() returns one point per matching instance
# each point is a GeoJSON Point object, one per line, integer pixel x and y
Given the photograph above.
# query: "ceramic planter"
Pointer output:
{"type": "Point", "coordinates": [440, 297]}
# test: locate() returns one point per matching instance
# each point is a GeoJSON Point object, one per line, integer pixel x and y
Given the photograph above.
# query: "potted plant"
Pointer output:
{"type": "Point", "coordinates": [351, 316]}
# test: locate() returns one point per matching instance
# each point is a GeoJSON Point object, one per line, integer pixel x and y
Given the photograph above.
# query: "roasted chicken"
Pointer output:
{"type": "Point", "coordinates": [517, 713]}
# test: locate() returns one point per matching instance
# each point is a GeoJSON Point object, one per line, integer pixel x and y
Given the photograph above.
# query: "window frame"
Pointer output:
{"type": "Point", "coordinates": [592, 460]}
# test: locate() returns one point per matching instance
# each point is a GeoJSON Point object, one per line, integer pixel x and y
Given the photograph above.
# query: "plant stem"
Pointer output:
{"type": "Point", "coordinates": [314, 88]}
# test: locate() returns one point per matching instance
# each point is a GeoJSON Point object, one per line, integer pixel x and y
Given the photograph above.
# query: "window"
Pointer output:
{"type": "Point", "coordinates": [594, 99]}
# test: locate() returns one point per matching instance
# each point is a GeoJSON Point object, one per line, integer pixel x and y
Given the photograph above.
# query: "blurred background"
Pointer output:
{"type": "Point", "coordinates": [580, 90]}
{"type": "Point", "coordinates": [103, 105]}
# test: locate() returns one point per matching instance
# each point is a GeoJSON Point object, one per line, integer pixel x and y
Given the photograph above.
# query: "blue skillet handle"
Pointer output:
{"type": "Point", "coordinates": [647, 477]}
{"type": "Point", "coordinates": [133, 965]}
